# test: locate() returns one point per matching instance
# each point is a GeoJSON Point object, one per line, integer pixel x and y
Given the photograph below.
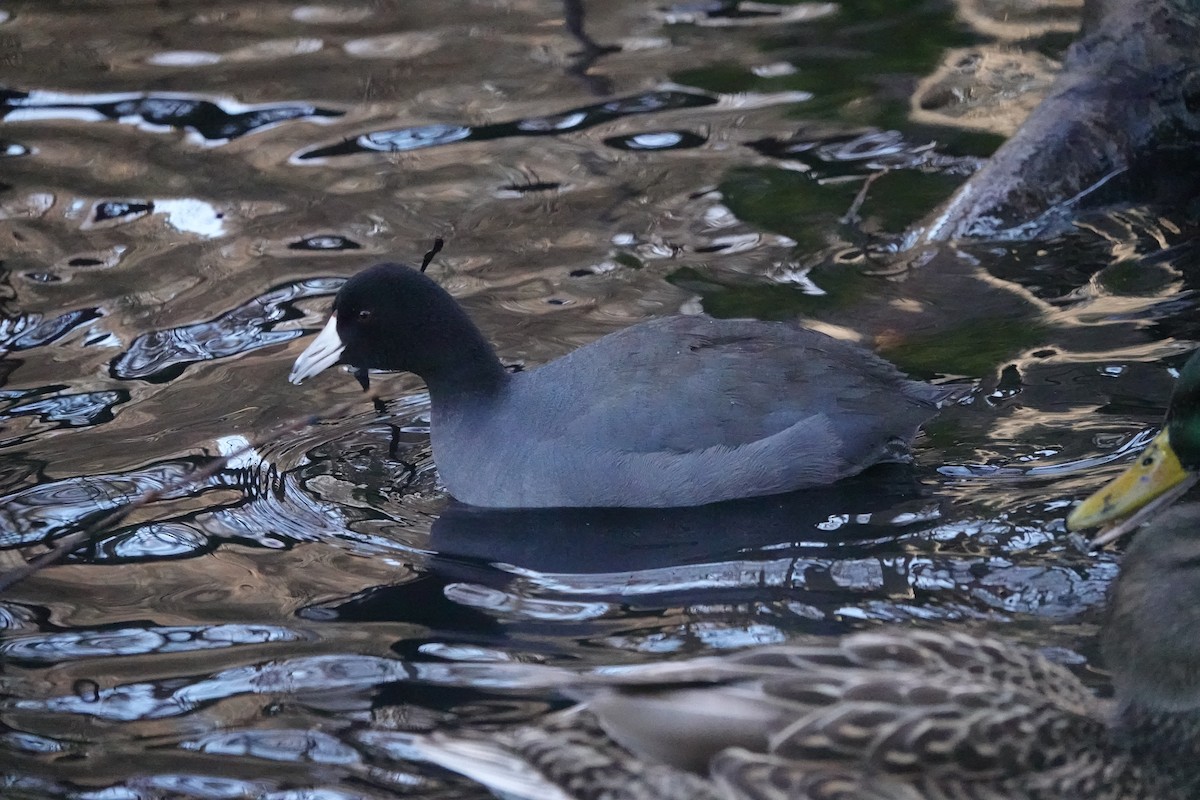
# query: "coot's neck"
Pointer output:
{"type": "Point", "coordinates": [456, 359]}
{"type": "Point", "coordinates": [475, 371]}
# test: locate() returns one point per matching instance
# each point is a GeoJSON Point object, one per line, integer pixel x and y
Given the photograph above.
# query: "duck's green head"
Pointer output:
{"type": "Point", "coordinates": [1183, 415]}
{"type": "Point", "coordinates": [1162, 472]}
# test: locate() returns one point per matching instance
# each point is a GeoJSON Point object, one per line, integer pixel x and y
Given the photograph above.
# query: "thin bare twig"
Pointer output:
{"type": "Point", "coordinates": [851, 215]}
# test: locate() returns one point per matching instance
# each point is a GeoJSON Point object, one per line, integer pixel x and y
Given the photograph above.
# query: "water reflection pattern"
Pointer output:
{"type": "Point", "coordinates": [344, 673]}
{"type": "Point", "coordinates": [252, 505]}
{"type": "Point", "coordinates": [161, 356]}
{"type": "Point", "coordinates": [418, 138]}
{"type": "Point", "coordinates": [215, 121]}
{"type": "Point", "coordinates": [26, 332]}
{"type": "Point", "coordinates": [262, 634]}
{"type": "Point", "coordinates": [55, 648]}
{"type": "Point", "coordinates": [71, 410]}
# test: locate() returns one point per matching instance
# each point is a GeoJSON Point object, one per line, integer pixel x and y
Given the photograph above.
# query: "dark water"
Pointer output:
{"type": "Point", "coordinates": [182, 187]}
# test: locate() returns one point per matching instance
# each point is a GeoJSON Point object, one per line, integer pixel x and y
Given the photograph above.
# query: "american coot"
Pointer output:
{"type": "Point", "coordinates": [1163, 471]}
{"type": "Point", "coordinates": [880, 715]}
{"type": "Point", "coordinates": [677, 411]}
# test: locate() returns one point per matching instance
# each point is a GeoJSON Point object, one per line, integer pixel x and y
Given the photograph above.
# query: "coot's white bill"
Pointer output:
{"type": "Point", "coordinates": [323, 353]}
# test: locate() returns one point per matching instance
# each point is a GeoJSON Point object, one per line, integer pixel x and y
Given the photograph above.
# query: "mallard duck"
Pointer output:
{"type": "Point", "coordinates": [1163, 471]}
{"type": "Point", "coordinates": [899, 715]}
{"type": "Point", "coordinates": [679, 411]}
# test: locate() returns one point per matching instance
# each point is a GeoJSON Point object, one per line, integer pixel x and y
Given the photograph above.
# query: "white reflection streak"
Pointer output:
{"type": "Point", "coordinates": [240, 452]}
{"type": "Point", "coordinates": [189, 215]}
{"type": "Point", "coordinates": [484, 597]}
{"type": "Point", "coordinates": [784, 572]}
{"type": "Point", "coordinates": [989, 471]}
{"type": "Point", "coordinates": [73, 645]}
{"type": "Point", "coordinates": [141, 701]}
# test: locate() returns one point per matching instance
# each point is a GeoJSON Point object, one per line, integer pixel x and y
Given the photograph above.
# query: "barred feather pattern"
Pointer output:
{"type": "Point", "coordinates": [875, 716]}
{"type": "Point", "coordinates": [927, 716]}
{"type": "Point", "coordinates": [573, 753]}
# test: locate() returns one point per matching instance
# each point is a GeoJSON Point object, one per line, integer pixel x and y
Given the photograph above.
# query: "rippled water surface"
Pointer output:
{"type": "Point", "coordinates": [183, 186]}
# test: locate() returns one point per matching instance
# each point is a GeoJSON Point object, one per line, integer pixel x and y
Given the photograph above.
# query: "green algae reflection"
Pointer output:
{"type": "Point", "coordinates": [975, 349]}
{"type": "Point", "coordinates": [799, 205]}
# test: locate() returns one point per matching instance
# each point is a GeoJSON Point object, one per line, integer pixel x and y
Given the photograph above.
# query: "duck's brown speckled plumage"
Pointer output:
{"type": "Point", "coordinates": [889, 715]}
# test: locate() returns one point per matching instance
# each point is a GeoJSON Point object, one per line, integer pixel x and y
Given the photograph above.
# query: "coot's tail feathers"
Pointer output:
{"type": "Point", "coordinates": [949, 394]}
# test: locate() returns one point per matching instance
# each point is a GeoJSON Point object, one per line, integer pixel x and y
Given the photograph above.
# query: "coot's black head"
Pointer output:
{"type": "Point", "coordinates": [392, 317]}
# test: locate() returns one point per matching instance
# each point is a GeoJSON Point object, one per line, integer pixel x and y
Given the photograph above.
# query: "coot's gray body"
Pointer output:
{"type": "Point", "coordinates": [677, 411]}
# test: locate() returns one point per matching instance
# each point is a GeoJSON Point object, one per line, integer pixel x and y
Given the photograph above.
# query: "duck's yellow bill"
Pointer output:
{"type": "Point", "coordinates": [1156, 472]}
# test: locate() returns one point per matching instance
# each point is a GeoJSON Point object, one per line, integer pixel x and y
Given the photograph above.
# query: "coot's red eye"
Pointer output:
{"type": "Point", "coordinates": [364, 315]}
